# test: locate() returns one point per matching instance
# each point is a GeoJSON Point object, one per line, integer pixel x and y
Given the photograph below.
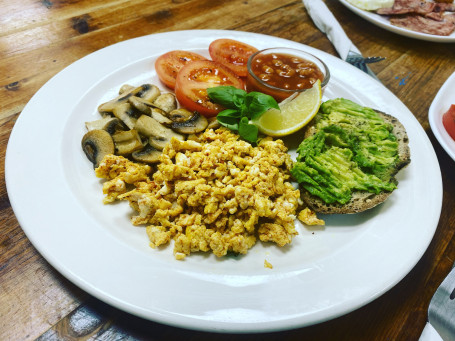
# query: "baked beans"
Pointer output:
{"type": "Point", "coordinates": [283, 71]}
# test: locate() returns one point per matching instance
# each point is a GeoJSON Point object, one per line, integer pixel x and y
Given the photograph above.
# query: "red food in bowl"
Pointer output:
{"type": "Point", "coordinates": [448, 120]}
{"type": "Point", "coordinates": [280, 72]}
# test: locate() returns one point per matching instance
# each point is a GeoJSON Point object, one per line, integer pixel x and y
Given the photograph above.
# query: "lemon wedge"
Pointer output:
{"type": "Point", "coordinates": [295, 112]}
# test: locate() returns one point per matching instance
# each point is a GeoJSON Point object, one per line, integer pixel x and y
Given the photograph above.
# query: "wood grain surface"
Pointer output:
{"type": "Point", "coordinates": [40, 38]}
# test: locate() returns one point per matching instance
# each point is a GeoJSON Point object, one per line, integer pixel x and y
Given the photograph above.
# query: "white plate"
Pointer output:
{"type": "Point", "coordinates": [441, 103]}
{"type": "Point", "coordinates": [383, 21]}
{"type": "Point", "coordinates": [324, 273]}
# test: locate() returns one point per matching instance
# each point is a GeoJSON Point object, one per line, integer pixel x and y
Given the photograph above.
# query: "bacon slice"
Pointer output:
{"type": "Point", "coordinates": [444, 7]}
{"type": "Point", "coordinates": [426, 25]}
{"type": "Point", "coordinates": [422, 16]}
{"type": "Point", "coordinates": [408, 6]}
{"type": "Point", "coordinates": [438, 16]}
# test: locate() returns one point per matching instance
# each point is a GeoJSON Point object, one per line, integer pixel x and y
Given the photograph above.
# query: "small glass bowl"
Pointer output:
{"type": "Point", "coordinates": [254, 83]}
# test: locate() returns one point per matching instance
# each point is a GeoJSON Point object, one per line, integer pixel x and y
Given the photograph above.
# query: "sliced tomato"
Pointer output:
{"type": "Point", "coordinates": [232, 53]}
{"type": "Point", "coordinates": [196, 77]}
{"type": "Point", "coordinates": [448, 120]}
{"type": "Point", "coordinates": [169, 64]}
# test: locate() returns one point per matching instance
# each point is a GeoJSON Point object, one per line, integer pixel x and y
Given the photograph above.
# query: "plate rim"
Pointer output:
{"type": "Point", "coordinates": [371, 17]}
{"type": "Point", "coordinates": [222, 327]}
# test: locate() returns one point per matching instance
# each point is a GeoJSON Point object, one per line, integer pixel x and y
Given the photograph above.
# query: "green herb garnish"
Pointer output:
{"type": "Point", "coordinates": [241, 107]}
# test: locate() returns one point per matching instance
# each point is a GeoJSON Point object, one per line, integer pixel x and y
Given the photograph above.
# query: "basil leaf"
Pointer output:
{"type": "Point", "coordinates": [241, 107]}
{"type": "Point", "coordinates": [248, 131]}
{"type": "Point", "coordinates": [229, 118]}
{"type": "Point", "coordinates": [230, 113]}
{"type": "Point", "coordinates": [257, 103]}
{"type": "Point", "coordinates": [228, 96]}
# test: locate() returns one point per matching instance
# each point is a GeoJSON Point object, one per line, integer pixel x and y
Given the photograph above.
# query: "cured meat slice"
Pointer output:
{"type": "Point", "coordinates": [426, 25]}
{"type": "Point", "coordinates": [408, 6]}
{"type": "Point", "coordinates": [422, 16]}
{"type": "Point", "coordinates": [444, 7]}
{"type": "Point", "coordinates": [438, 16]}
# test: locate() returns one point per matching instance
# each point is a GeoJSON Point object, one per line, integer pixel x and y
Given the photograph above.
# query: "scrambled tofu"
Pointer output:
{"type": "Point", "coordinates": [267, 264]}
{"type": "Point", "coordinates": [308, 217]}
{"type": "Point", "coordinates": [212, 193]}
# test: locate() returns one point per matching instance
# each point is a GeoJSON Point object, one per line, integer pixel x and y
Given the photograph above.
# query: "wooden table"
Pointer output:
{"type": "Point", "coordinates": [39, 38]}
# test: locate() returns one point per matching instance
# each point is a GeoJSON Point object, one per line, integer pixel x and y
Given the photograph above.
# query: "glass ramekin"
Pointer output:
{"type": "Point", "coordinates": [254, 83]}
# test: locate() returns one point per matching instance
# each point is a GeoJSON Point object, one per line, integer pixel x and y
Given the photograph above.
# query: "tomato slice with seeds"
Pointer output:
{"type": "Point", "coordinates": [169, 64]}
{"type": "Point", "coordinates": [448, 120]}
{"type": "Point", "coordinates": [196, 77]}
{"type": "Point", "coordinates": [233, 54]}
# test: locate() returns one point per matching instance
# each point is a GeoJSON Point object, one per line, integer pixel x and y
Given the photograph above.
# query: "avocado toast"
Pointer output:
{"type": "Point", "coordinates": [349, 158]}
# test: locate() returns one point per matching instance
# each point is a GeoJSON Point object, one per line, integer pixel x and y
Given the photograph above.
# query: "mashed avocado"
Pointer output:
{"type": "Point", "coordinates": [353, 150]}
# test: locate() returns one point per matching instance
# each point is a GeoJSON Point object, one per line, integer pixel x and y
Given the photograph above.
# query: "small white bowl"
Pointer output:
{"type": "Point", "coordinates": [441, 103]}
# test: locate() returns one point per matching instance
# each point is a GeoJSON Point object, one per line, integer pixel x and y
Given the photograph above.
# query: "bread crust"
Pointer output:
{"type": "Point", "coordinates": [361, 201]}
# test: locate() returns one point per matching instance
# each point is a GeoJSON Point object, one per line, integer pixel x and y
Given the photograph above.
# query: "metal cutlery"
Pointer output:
{"type": "Point", "coordinates": [361, 62]}
{"type": "Point", "coordinates": [441, 311]}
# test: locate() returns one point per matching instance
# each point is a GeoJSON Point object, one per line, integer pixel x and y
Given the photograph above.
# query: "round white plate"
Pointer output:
{"type": "Point", "coordinates": [325, 273]}
{"type": "Point", "coordinates": [383, 21]}
{"type": "Point", "coordinates": [441, 103]}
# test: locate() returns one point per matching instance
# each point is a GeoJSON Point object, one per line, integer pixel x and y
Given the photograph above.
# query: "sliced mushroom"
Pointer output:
{"type": "Point", "coordinates": [96, 144]}
{"type": "Point", "coordinates": [112, 104]}
{"type": "Point", "coordinates": [140, 104]}
{"type": "Point", "coordinates": [159, 115]}
{"type": "Point", "coordinates": [127, 114]}
{"type": "Point", "coordinates": [148, 92]}
{"type": "Point", "coordinates": [108, 123]}
{"type": "Point", "coordinates": [213, 123]}
{"type": "Point", "coordinates": [159, 142]}
{"type": "Point", "coordinates": [125, 88]}
{"type": "Point", "coordinates": [180, 115]}
{"type": "Point", "coordinates": [166, 102]}
{"type": "Point", "coordinates": [106, 114]}
{"type": "Point", "coordinates": [195, 124]}
{"type": "Point", "coordinates": [115, 126]}
{"type": "Point", "coordinates": [158, 134]}
{"type": "Point", "coordinates": [149, 109]}
{"type": "Point", "coordinates": [148, 155]}
{"type": "Point", "coordinates": [148, 126]}
{"type": "Point", "coordinates": [127, 142]}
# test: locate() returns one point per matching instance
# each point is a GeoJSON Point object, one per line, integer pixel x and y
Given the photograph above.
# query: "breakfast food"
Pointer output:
{"type": "Point", "coordinates": [242, 107]}
{"type": "Point", "coordinates": [448, 121]}
{"type": "Point", "coordinates": [293, 113]}
{"type": "Point", "coordinates": [349, 158]}
{"type": "Point", "coordinates": [168, 65]}
{"type": "Point", "coordinates": [212, 193]}
{"type": "Point", "coordinates": [190, 75]}
{"type": "Point", "coordinates": [195, 78]}
{"type": "Point", "coordinates": [422, 16]}
{"type": "Point", "coordinates": [205, 188]}
{"type": "Point", "coordinates": [281, 72]}
{"type": "Point", "coordinates": [215, 185]}
{"type": "Point", "coordinates": [232, 53]}
{"type": "Point", "coordinates": [138, 124]}
{"type": "Point", "coordinates": [371, 5]}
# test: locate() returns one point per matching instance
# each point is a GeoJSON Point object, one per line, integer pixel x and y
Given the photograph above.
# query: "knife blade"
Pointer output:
{"type": "Point", "coordinates": [441, 312]}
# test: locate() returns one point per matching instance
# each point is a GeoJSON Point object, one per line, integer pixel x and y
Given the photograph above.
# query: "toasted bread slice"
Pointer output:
{"type": "Point", "coordinates": [362, 201]}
